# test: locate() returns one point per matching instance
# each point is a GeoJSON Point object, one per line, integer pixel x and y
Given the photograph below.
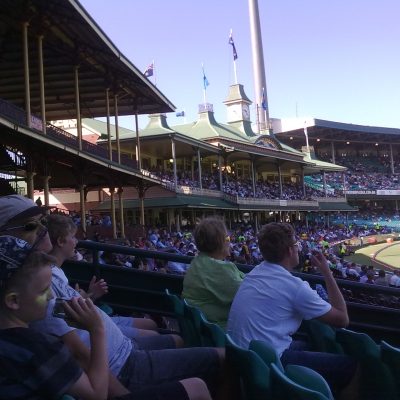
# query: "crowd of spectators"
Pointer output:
{"type": "Point", "coordinates": [243, 187]}
{"type": "Point", "coordinates": [363, 173]}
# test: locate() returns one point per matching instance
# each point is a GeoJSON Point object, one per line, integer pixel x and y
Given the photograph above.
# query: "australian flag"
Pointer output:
{"type": "Point", "coordinates": [205, 80]}
{"type": "Point", "coordinates": [149, 70]}
{"type": "Point", "coordinates": [231, 42]}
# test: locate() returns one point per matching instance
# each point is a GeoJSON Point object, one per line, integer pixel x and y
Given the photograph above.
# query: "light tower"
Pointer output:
{"type": "Point", "coordinates": [260, 85]}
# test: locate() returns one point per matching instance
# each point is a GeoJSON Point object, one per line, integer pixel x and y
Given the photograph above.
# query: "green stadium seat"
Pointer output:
{"type": "Point", "coordinates": [322, 337]}
{"type": "Point", "coordinates": [186, 328]}
{"type": "Point", "coordinates": [376, 379]}
{"type": "Point", "coordinates": [284, 388]}
{"type": "Point", "coordinates": [250, 369]}
{"type": "Point", "coordinates": [391, 357]}
{"type": "Point", "coordinates": [308, 378]}
{"type": "Point", "coordinates": [194, 316]}
{"type": "Point", "coordinates": [266, 352]}
{"type": "Point", "coordinates": [212, 335]}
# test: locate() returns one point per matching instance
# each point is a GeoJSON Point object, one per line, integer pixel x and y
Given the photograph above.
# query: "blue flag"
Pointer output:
{"type": "Point", "coordinates": [180, 114]}
{"type": "Point", "coordinates": [263, 100]}
{"type": "Point", "coordinates": [205, 80]}
{"type": "Point", "coordinates": [149, 71]}
{"type": "Point", "coordinates": [231, 42]}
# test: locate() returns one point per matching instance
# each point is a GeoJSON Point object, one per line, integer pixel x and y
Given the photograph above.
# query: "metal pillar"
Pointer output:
{"type": "Point", "coordinates": [82, 207]}
{"type": "Point", "coordinates": [199, 168]}
{"type": "Point", "coordinates": [121, 212]}
{"type": "Point", "coordinates": [41, 84]}
{"type": "Point", "coordinates": [138, 151]}
{"type": "Point", "coordinates": [174, 163]}
{"type": "Point", "coordinates": [26, 73]}
{"type": "Point", "coordinates": [117, 128]}
{"type": "Point", "coordinates": [113, 219]}
{"type": "Point", "coordinates": [108, 124]}
{"type": "Point", "coordinates": [78, 107]}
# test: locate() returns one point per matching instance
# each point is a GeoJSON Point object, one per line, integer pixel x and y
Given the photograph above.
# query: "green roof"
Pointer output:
{"type": "Point", "coordinates": [207, 127]}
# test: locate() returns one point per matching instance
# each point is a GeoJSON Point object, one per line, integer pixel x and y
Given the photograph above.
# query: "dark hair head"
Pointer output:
{"type": "Point", "coordinates": [274, 240]}
{"type": "Point", "coordinates": [210, 235]}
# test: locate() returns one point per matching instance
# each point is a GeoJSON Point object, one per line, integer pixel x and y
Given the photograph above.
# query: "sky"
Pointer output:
{"type": "Point", "coordinates": [335, 60]}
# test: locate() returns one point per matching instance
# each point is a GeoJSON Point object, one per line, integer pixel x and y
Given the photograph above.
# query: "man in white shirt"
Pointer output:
{"type": "Point", "coordinates": [271, 304]}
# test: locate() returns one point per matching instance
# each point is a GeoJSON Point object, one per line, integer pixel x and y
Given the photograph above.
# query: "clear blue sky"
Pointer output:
{"type": "Point", "coordinates": [336, 60]}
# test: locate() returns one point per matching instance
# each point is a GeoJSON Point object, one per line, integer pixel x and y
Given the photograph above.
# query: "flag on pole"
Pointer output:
{"type": "Point", "coordinates": [205, 80]}
{"type": "Point", "coordinates": [231, 42]}
{"type": "Point", "coordinates": [263, 100]}
{"type": "Point", "coordinates": [180, 114]}
{"type": "Point", "coordinates": [149, 70]}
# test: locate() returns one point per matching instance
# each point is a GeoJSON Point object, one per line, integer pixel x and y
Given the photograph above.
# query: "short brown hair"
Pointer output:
{"type": "Point", "coordinates": [274, 240]}
{"type": "Point", "coordinates": [210, 234]}
{"type": "Point", "coordinates": [59, 226]}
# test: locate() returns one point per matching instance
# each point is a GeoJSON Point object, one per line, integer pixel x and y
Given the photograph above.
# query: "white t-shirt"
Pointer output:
{"type": "Point", "coordinates": [119, 346]}
{"type": "Point", "coordinates": [270, 305]}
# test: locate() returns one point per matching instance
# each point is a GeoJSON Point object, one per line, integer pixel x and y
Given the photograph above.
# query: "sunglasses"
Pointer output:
{"type": "Point", "coordinates": [29, 226]}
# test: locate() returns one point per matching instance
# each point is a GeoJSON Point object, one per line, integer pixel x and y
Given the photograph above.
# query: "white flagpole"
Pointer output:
{"type": "Point", "coordinates": [204, 85]}
{"type": "Point", "coordinates": [234, 63]}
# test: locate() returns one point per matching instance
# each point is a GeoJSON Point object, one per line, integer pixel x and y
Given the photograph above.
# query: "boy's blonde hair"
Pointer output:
{"type": "Point", "coordinates": [60, 226]}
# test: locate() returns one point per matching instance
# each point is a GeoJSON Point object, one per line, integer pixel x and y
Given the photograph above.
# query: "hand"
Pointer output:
{"type": "Point", "coordinates": [97, 289]}
{"type": "Point", "coordinates": [80, 291]}
{"type": "Point", "coordinates": [83, 314]}
{"type": "Point", "coordinates": [319, 261]}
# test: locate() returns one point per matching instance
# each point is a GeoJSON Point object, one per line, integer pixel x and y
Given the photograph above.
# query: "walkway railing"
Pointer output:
{"type": "Point", "coordinates": [18, 115]}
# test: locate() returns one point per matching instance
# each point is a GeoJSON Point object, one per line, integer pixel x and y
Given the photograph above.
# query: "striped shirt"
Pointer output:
{"type": "Point", "coordinates": [34, 366]}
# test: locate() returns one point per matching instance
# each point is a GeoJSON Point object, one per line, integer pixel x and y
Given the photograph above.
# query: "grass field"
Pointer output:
{"type": "Point", "coordinates": [388, 256]}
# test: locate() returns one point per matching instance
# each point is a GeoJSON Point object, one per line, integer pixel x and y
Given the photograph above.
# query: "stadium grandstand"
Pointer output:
{"type": "Point", "coordinates": [138, 194]}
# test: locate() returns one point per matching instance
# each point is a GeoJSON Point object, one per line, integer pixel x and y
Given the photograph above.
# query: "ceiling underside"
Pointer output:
{"type": "Point", "coordinates": [71, 40]}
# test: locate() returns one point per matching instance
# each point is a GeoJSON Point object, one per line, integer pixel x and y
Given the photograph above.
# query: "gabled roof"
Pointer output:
{"type": "Point", "coordinates": [207, 127]}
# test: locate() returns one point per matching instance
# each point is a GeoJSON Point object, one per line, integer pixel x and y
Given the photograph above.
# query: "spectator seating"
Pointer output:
{"type": "Point", "coordinates": [266, 352]}
{"type": "Point", "coordinates": [391, 357]}
{"type": "Point", "coordinates": [367, 353]}
{"type": "Point", "coordinates": [298, 383]}
{"type": "Point", "coordinates": [252, 372]}
{"type": "Point", "coordinates": [322, 337]}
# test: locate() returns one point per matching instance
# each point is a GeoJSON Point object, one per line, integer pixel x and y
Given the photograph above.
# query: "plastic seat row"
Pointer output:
{"type": "Point", "coordinates": [258, 368]}
{"type": "Point", "coordinates": [379, 364]}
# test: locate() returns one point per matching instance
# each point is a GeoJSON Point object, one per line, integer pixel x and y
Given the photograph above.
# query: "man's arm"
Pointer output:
{"type": "Point", "coordinates": [337, 315]}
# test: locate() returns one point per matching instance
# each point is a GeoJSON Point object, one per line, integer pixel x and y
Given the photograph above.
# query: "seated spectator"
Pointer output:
{"type": "Point", "coordinates": [136, 369]}
{"type": "Point", "coordinates": [35, 365]}
{"type": "Point", "coordinates": [210, 282]}
{"type": "Point", "coordinates": [62, 232]}
{"type": "Point", "coordinates": [42, 367]}
{"type": "Point", "coordinates": [271, 304]}
{"type": "Point", "coordinates": [394, 280]}
{"type": "Point", "coordinates": [381, 280]}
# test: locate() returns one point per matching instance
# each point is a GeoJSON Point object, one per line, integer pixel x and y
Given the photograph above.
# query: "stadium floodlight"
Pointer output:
{"type": "Point", "coordinates": [306, 135]}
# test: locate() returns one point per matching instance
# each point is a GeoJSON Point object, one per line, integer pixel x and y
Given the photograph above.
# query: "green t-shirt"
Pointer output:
{"type": "Point", "coordinates": [211, 285]}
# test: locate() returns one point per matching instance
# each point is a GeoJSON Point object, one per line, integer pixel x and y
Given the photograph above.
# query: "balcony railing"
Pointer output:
{"type": "Point", "coordinates": [18, 116]}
